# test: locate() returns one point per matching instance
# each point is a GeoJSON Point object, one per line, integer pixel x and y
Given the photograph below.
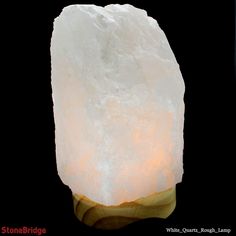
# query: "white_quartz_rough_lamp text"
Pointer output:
{"type": "Point", "coordinates": [118, 102]}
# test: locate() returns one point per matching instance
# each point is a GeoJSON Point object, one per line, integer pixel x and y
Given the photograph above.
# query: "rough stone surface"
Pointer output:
{"type": "Point", "coordinates": [118, 103]}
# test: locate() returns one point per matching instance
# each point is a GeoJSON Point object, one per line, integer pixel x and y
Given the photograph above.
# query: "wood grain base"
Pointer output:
{"type": "Point", "coordinates": [159, 205]}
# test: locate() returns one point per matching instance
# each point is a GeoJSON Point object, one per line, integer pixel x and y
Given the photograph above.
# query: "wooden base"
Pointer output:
{"type": "Point", "coordinates": [159, 205]}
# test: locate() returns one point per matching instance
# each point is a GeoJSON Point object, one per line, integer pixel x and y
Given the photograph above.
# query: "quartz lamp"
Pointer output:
{"type": "Point", "coordinates": [119, 113]}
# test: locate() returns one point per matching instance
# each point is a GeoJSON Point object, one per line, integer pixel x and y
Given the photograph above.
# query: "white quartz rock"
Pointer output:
{"type": "Point", "coordinates": [118, 103]}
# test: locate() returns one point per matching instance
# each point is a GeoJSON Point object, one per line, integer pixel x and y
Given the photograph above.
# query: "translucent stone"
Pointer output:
{"type": "Point", "coordinates": [118, 103]}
